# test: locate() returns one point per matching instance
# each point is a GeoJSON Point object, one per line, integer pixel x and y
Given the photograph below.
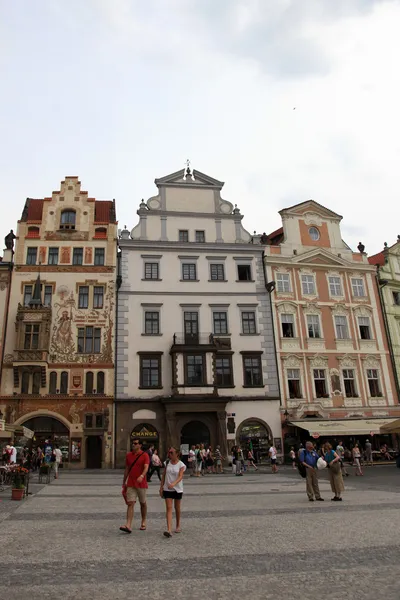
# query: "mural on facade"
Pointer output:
{"type": "Point", "coordinates": [67, 316]}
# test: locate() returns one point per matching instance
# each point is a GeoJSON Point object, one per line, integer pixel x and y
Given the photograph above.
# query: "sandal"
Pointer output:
{"type": "Point", "coordinates": [142, 528]}
{"type": "Point", "coordinates": [167, 534]}
{"type": "Point", "coordinates": [125, 529]}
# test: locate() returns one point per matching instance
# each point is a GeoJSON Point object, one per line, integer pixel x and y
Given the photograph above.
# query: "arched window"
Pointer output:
{"type": "Point", "coordinates": [64, 383]}
{"type": "Point", "coordinates": [100, 382]}
{"type": "Point", "coordinates": [68, 218]}
{"type": "Point", "coordinates": [89, 383]}
{"type": "Point", "coordinates": [36, 382]}
{"type": "Point", "coordinates": [53, 383]}
{"type": "Point", "coordinates": [33, 232]}
{"type": "Point", "coordinates": [100, 233]}
{"type": "Point", "coordinates": [25, 382]}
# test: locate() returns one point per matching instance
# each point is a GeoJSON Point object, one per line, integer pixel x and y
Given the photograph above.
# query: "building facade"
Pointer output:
{"type": "Point", "coordinates": [195, 354]}
{"type": "Point", "coordinates": [388, 272]}
{"type": "Point", "coordinates": [333, 354]}
{"type": "Point", "coordinates": [58, 372]}
{"type": "Point", "coordinates": [6, 264]}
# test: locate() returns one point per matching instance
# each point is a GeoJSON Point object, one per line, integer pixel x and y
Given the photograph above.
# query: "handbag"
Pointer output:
{"type": "Point", "coordinates": [124, 484]}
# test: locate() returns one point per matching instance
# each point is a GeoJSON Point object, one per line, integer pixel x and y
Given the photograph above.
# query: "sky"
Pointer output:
{"type": "Point", "coordinates": [283, 100]}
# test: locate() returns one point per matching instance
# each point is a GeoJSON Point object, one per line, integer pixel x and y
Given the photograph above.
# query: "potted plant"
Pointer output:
{"type": "Point", "coordinates": [19, 475]}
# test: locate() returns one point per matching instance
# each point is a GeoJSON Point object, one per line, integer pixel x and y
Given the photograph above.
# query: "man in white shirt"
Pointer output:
{"type": "Point", "coordinates": [13, 454]}
{"type": "Point", "coordinates": [57, 462]}
{"type": "Point", "coordinates": [273, 456]}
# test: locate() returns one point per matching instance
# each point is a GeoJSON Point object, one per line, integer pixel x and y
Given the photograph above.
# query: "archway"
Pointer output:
{"type": "Point", "coordinates": [256, 434]}
{"type": "Point", "coordinates": [48, 428]}
{"type": "Point", "coordinates": [195, 432]}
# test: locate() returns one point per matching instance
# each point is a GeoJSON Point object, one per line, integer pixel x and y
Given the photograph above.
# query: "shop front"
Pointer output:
{"type": "Point", "coordinates": [257, 436]}
{"type": "Point", "coordinates": [46, 428]}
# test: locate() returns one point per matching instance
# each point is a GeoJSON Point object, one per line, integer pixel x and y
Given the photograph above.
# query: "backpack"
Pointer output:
{"type": "Point", "coordinates": [300, 467]}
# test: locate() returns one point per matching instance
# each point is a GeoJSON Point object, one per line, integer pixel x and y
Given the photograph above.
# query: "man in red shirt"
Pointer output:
{"type": "Point", "coordinates": [134, 484]}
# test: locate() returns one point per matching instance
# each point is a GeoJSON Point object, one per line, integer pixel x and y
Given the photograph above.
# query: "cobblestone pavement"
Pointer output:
{"type": "Point", "coordinates": [255, 536]}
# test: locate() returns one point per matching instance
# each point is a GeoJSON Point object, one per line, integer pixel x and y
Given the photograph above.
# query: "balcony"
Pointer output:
{"type": "Point", "coordinates": [30, 356]}
{"type": "Point", "coordinates": [204, 342]}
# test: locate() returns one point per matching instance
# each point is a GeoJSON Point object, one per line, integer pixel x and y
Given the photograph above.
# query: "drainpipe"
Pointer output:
{"type": "Point", "coordinates": [381, 284]}
{"type": "Point", "coordinates": [273, 328]}
{"type": "Point", "coordinates": [118, 283]}
{"type": "Point", "coordinates": [3, 349]}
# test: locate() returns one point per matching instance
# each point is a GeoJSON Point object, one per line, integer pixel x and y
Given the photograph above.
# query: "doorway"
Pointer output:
{"type": "Point", "coordinates": [195, 432]}
{"type": "Point", "coordinates": [94, 452]}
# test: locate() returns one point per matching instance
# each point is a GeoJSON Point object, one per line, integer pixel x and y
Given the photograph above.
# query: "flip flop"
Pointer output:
{"type": "Point", "coordinates": [167, 534]}
{"type": "Point", "coordinates": [125, 529]}
{"type": "Point", "coordinates": [142, 528]}
{"type": "Point", "coordinates": [178, 530]}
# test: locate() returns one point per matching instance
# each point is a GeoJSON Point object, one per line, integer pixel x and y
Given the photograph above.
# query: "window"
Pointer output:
{"type": "Point", "coordinates": [244, 272]}
{"type": "Point", "coordinates": [313, 327]}
{"type": "Point", "coordinates": [64, 383]}
{"type": "Point", "coordinates": [100, 382]}
{"type": "Point", "coordinates": [293, 378]}
{"type": "Point", "coordinates": [183, 235]}
{"type": "Point", "coordinates": [25, 382]}
{"type": "Point", "coordinates": [99, 422]}
{"type": "Point", "coordinates": [283, 282]}
{"type": "Point", "coordinates": [342, 330]}
{"type": "Point", "coordinates": [88, 421]}
{"type": "Point", "coordinates": [220, 322]}
{"type": "Point", "coordinates": [223, 371]}
{"type": "Point", "coordinates": [200, 236]}
{"type": "Point", "coordinates": [98, 296]}
{"type": "Point", "coordinates": [150, 371]}
{"type": "Point", "coordinates": [99, 255]}
{"type": "Point", "coordinates": [83, 296]}
{"type": "Point", "coordinates": [396, 298]}
{"type": "Point", "coordinates": [33, 232]}
{"type": "Point", "coordinates": [151, 322]}
{"type": "Point", "coordinates": [335, 286]}
{"type": "Point", "coordinates": [320, 383]}
{"type": "Point", "coordinates": [191, 326]}
{"type": "Point", "coordinates": [287, 326]}
{"type": "Point", "coordinates": [100, 233]}
{"type": "Point", "coordinates": [89, 340]}
{"type": "Point", "coordinates": [189, 271]}
{"type": "Point", "coordinates": [195, 369]}
{"type": "Point", "coordinates": [53, 383]}
{"type": "Point", "coordinates": [248, 322]}
{"type": "Point", "coordinates": [68, 218]}
{"type": "Point", "coordinates": [48, 295]}
{"type": "Point", "coordinates": [53, 256]}
{"type": "Point", "coordinates": [314, 234]}
{"type": "Point", "coordinates": [77, 256]}
{"type": "Point", "coordinates": [36, 380]}
{"type": "Point", "coordinates": [365, 329]}
{"type": "Point", "coordinates": [252, 371]}
{"type": "Point", "coordinates": [28, 290]}
{"type": "Point", "coordinates": [31, 256]}
{"type": "Point", "coordinates": [349, 383]}
{"type": "Point", "coordinates": [373, 383]}
{"type": "Point", "coordinates": [31, 341]}
{"type": "Point", "coordinates": [151, 270]}
{"type": "Point", "coordinates": [89, 383]}
{"type": "Point", "coordinates": [358, 287]}
{"type": "Point", "coordinates": [308, 285]}
{"type": "Point", "coordinates": [217, 272]}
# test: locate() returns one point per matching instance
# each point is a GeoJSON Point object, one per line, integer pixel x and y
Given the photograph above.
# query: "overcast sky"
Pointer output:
{"type": "Point", "coordinates": [120, 92]}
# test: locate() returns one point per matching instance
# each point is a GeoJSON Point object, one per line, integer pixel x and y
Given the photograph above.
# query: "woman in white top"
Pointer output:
{"type": "Point", "coordinates": [356, 459]}
{"type": "Point", "coordinates": [273, 456]}
{"type": "Point", "coordinates": [171, 489]}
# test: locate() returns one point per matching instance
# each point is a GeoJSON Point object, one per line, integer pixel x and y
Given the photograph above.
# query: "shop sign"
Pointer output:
{"type": "Point", "coordinates": [184, 449]}
{"type": "Point", "coordinates": [144, 431]}
{"type": "Point", "coordinates": [76, 445]}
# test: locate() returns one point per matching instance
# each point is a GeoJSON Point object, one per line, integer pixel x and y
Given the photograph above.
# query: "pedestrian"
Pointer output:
{"type": "Point", "coordinates": [13, 454]}
{"type": "Point", "coordinates": [250, 459]}
{"type": "Point", "coordinates": [340, 453]}
{"type": "Point", "coordinates": [150, 451]}
{"type": "Point", "coordinates": [292, 455]}
{"type": "Point", "coordinates": [199, 460]}
{"type": "Point", "coordinates": [233, 454]}
{"type": "Point", "coordinates": [155, 465]}
{"type": "Point", "coordinates": [192, 461]}
{"type": "Point", "coordinates": [273, 456]}
{"type": "Point", "coordinates": [356, 459]}
{"type": "Point", "coordinates": [58, 460]}
{"type": "Point", "coordinates": [238, 465]}
{"type": "Point", "coordinates": [171, 489]}
{"type": "Point", "coordinates": [218, 458]}
{"type": "Point", "coordinates": [134, 484]}
{"type": "Point", "coordinates": [368, 453]}
{"type": "Point", "coordinates": [309, 457]}
{"type": "Point", "coordinates": [335, 473]}
{"type": "Point", "coordinates": [39, 457]}
{"type": "Point", "coordinates": [210, 460]}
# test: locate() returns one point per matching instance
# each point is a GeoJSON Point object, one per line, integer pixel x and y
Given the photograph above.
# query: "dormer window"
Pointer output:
{"type": "Point", "coordinates": [314, 234]}
{"type": "Point", "coordinates": [68, 218]}
{"type": "Point", "coordinates": [33, 232]}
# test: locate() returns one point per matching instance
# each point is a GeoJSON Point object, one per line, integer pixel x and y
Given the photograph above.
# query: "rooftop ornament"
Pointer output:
{"type": "Point", "coordinates": [188, 171]}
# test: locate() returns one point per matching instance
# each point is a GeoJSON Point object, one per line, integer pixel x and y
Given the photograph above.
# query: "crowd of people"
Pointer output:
{"type": "Point", "coordinates": [32, 458]}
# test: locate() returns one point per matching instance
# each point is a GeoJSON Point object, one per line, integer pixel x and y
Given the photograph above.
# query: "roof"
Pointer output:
{"type": "Point", "coordinates": [312, 203]}
{"type": "Point", "coordinates": [33, 210]}
{"type": "Point", "coordinates": [104, 211]}
{"type": "Point", "coordinates": [275, 238]}
{"type": "Point", "coordinates": [377, 259]}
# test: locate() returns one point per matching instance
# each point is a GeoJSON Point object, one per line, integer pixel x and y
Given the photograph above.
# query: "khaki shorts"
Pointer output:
{"type": "Point", "coordinates": [133, 493]}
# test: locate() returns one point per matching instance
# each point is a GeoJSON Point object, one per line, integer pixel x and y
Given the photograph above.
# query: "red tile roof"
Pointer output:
{"type": "Point", "coordinates": [275, 237]}
{"type": "Point", "coordinates": [104, 211]}
{"type": "Point", "coordinates": [377, 259]}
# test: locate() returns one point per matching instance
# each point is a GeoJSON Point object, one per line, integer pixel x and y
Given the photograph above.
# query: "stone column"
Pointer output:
{"type": "Point", "coordinates": [172, 436]}
{"type": "Point", "coordinates": [221, 433]}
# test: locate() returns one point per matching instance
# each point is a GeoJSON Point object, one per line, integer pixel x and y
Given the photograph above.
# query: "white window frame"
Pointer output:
{"type": "Point", "coordinates": [289, 372]}
{"type": "Point", "coordinates": [293, 322]}
{"type": "Point", "coordinates": [357, 394]}
{"type": "Point", "coordinates": [357, 287]}
{"type": "Point", "coordinates": [346, 325]}
{"type": "Point", "coordinates": [308, 283]}
{"type": "Point", "coordinates": [327, 391]}
{"type": "Point", "coordinates": [364, 325]}
{"type": "Point", "coordinates": [222, 309]}
{"type": "Point", "coordinates": [320, 337]}
{"type": "Point", "coordinates": [281, 283]}
{"type": "Point", "coordinates": [334, 284]}
{"type": "Point", "coordinates": [378, 378]}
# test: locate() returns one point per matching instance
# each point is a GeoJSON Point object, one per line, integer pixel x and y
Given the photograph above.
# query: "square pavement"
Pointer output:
{"type": "Point", "coordinates": [255, 536]}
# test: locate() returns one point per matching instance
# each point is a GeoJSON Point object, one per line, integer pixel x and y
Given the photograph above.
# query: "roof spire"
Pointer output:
{"type": "Point", "coordinates": [188, 171]}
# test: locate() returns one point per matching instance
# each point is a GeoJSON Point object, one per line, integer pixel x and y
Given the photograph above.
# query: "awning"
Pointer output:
{"type": "Point", "coordinates": [393, 427]}
{"type": "Point", "coordinates": [348, 427]}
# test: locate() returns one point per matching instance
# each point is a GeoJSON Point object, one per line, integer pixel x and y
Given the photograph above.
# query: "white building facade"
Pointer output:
{"type": "Point", "coordinates": [195, 349]}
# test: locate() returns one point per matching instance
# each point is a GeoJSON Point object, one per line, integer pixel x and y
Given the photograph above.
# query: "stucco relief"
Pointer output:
{"type": "Point", "coordinates": [347, 362]}
{"type": "Point", "coordinates": [335, 382]}
{"type": "Point", "coordinates": [65, 257]}
{"type": "Point", "coordinates": [312, 219]}
{"type": "Point", "coordinates": [311, 308]}
{"type": "Point", "coordinates": [286, 307]}
{"type": "Point", "coordinates": [340, 310]}
{"type": "Point", "coordinates": [318, 362]}
{"type": "Point", "coordinates": [292, 361]}
{"type": "Point", "coordinates": [371, 362]}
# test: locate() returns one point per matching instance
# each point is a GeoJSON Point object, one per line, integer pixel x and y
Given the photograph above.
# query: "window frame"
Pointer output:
{"type": "Point", "coordinates": [376, 379]}
{"type": "Point", "coordinates": [225, 373]}
{"type": "Point", "coordinates": [148, 356]}
{"type": "Point", "coordinates": [97, 295]}
{"type": "Point", "coordinates": [339, 326]}
{"type": "Point", "coordinates": [100, 389]}
{"type": "Point", "coordinates": [83, 296]}
{"type": "Point", "coordinates": [317, 327]}
{"type": "Point", "coordinates": [335, 285]}
{"type": "Point", "coordinates": [190, 269]}
{"type": "Point", "coordinates": [53, 255]}
{"type": "Point", "coordinates": [31, 336]}
{"type": "Point", "coordinates": [95, 339]}
{"type": "Point", "coordinates": [152, 265]}
{"type": "Point", "coordinates": [31, 255]}
{"type": "Point", "coordinates": [368, 327]}
{"type": "Point", "coordinates": [26, 294]}
{"type": "Point", "coordinates": [151, 321]}
{"type": "Point", "coordinates": [292, 393]}
{"type": "Point", "coordinates": [68, 224]}
{"type": "Point", "coordinates": [253, 357]}
{"type": "Point", "coordinates": [218, 267]}
{"type": "Point", "coordinates": [248, 320]}
{"type": "Point", "coordinates": [47, 292]}
{"type": "Point", "coordinates": [77, 257]}
{"type": "Point", "coordinates": [64, 380]}
{"type": "Point", "coordinates": [183, 235]}
{"type": "Point", "coordinates": [308, 283]}
{"type": "Point", "coordinates": [220, 320]}
{"type": "Point", "coordinates": [311, 231]}
{"type": "Point", "coordinates": [355, 287]}
{"type": "Point", "coordinates": [99, 257]}
{"type": "Point", "coordinates": [203, 369]}
{"type": "Point", "coordinates": [319, 378]}
{"type": "Point", "coordinates": [203, 235]}
{"type": "Point", "coordinates": [250, 272]}
{"type": "Point", "coordinates": [89, 382]}
{"type": "Point", "coordinates": [347, 378]}
{"type": "Point", "coordinates": [281, 283]}
{"type": "Point", "coordinates": [53, 382]}
{"type": "Point", "coordinates": [284, 322]}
